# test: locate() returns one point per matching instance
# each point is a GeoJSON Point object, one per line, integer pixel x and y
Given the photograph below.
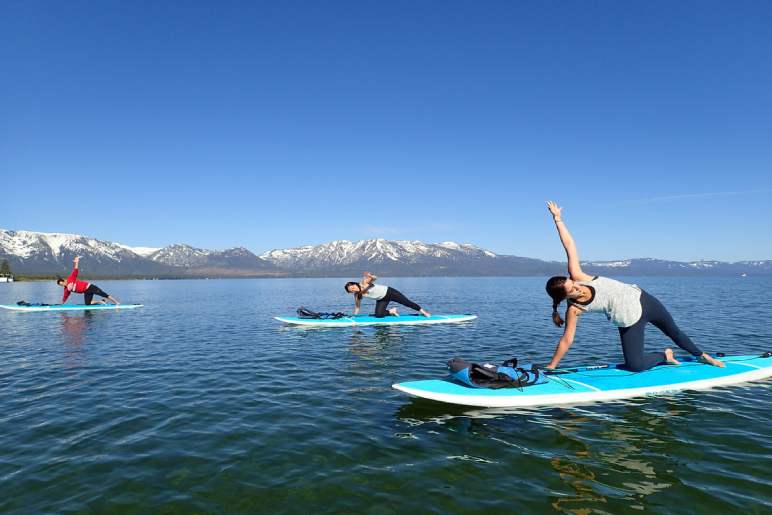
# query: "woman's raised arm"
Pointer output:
{"type": "Point", "coordinates": [368, 279]}
{"type": "Point", "coordinates": [574, 266]}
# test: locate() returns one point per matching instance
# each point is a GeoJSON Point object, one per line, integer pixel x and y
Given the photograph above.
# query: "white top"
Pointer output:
{"type": "Point", "coordinates": [620, 302]}
{"type": "Point", "coordinates": [376, 291]}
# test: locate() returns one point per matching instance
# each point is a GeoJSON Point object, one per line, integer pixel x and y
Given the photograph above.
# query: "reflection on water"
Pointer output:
{"type": "Point", "coordinates": [614, 447]}
{"type": "Point", "coordinates": [75, 326]}
{"type": "Point", "coordinates": [577, 477]}
{"type": "Point", "coordinates": [376, 344]}
{"type": "Point", "coordinates": [74, 330]}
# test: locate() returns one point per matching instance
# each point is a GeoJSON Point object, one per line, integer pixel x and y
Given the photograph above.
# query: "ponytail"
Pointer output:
{"type": "Point", "coordinates": [555, 290]}
{"type": "Point", "coordinates": [556, 316]}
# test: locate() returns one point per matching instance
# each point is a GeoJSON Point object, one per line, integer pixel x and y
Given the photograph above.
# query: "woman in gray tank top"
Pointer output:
{"type": "Point", "coordinates": [626, 305]}
{"type": "Point", "coordinates": [382, 295]}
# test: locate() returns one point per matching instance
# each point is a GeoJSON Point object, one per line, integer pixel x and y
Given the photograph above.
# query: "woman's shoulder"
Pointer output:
{"type": "Point", "coordinates": [608, 280]}
{"type": "Point", "coordinates": [615, 284]}
{"type": "Point", "coordinates": [592, 279]}
{"type": "Point", "coordinates": [600, 279]}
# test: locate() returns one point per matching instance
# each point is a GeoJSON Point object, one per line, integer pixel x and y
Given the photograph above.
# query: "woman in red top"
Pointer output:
{"type": "Point", "coordinates": [72, 285]}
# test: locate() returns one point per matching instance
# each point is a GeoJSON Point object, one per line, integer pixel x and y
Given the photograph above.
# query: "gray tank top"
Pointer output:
{"type": "Point", "coordinates": [376, 291]}
{"type": "Point", "coordinates": [620, 302]}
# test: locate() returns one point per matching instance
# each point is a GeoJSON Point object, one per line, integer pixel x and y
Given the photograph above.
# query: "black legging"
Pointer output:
{"type": "Point", "coordinates": [92, 290]}
{"type": "Point", "coordinates": [652, 311]}
{"type": "Point", "coordinates": [396, 296]}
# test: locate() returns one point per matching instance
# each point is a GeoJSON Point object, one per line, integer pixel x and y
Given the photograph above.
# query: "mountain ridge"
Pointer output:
{"type": "Point", "coordinates": [37, 253]}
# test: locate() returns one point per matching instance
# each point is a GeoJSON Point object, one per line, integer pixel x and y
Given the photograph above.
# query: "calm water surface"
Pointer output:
{"type": "Point", "coordinates": [200, 402]}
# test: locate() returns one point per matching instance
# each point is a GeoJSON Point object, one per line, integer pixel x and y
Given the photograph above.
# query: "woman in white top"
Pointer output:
{"type": "Point", "coordinates": [382, 294]}
{"type": "Point", "coordinates": [626, 305]}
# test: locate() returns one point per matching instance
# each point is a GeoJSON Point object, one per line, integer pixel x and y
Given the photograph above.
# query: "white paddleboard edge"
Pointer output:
{"type": "Point", "coordinates": [584, 397]}
{"type": "Point", "coordinates": [74, 307]}
{"type": "Point", "coordinates": [349, 322]}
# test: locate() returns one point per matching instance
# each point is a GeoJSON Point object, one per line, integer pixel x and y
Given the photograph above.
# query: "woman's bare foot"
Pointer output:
{"type": "Point", "coordinates": [425, 313]}
{"type": "Point", "coordinates": [393, 312]}
{"type": "Point", "coordinates": [669, 357]}
{"type": "Point", "coordinates": [711, 361]}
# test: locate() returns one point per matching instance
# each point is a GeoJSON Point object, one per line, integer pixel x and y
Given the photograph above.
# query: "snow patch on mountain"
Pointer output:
{"type": "Point", "coordinates": [608, 264]}
{"type": "Point", "coordinates": [345, 252]}
{"type": "Point", "coordinates": [704, 264]}
{"type": "Point", "coordinates": [180, 255]}
{"type": "Point", "coordinates": [140, 251]}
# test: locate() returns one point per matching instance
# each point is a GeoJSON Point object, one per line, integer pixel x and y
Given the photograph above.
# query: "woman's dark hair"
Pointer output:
{"type": "Point", "coordinates": [59, 279]}
{"type": "Point", "coordinates": [555, 290]}
{"type": "Point", "coordinates": [350, 283]}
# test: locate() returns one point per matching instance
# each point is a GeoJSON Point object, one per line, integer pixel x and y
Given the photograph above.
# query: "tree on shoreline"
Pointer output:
{"type": "Point", "coordinates": [5, 269]}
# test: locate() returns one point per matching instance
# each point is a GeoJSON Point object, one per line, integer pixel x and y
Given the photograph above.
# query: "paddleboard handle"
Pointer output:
{"type": "Point", "coordinates": [720, 355]}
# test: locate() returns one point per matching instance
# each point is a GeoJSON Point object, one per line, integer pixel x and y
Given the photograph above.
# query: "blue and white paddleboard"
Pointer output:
{"type": "Point", "coordinates": [356, 320]}
{"type": "Point", "coordinates": [68, 307]}
{"type": "Point", "coordinates": [592, 384]}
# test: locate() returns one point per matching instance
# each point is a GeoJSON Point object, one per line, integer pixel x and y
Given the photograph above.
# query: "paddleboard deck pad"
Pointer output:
{"type": "Point", "coordinates": [357, 320]}
{"type": "Point", "coordinates": [602, 383]}
{"type": "Point", "coordinates": [67, 307]}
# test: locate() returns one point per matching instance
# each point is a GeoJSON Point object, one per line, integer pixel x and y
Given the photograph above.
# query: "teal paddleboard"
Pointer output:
{"type": "Point", "coordinates": [356, 320]}
{"type": "Point", "coordinates": [592, 384]}
{"type": "Point", "coordinates": [68, 307]}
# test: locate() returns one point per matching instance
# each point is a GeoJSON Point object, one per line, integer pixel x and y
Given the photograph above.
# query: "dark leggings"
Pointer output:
{"type": "Point", "coordinates": [652, 311]}
{"type": "Point", "coordinates": [92, 290]}
{"type": "Point", "coordinates": [396, 296]}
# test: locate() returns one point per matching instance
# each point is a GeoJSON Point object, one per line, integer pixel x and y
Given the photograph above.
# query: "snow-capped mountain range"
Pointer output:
{"type": "Point", "coordinates": [185, 256]}
{"type": "Point", "coordinates": [36, 253]}
{"type": "Point", "coordinates": [49, 253]}
{"type": "Point", "coordinates": [401, 257]}
{"type": "Point", "coordinates": [344, 253]}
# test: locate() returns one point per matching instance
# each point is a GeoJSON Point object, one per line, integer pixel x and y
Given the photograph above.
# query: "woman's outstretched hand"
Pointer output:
{"type": "Point", "coordinates": [554, 209]}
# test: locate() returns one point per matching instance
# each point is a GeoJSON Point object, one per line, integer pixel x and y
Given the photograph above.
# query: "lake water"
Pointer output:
{"type": "Point", "coordinates": [201, 402]}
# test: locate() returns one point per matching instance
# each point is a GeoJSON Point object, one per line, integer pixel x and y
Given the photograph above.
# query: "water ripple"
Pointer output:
{"type": "Point", "coordinates": [199, 403]}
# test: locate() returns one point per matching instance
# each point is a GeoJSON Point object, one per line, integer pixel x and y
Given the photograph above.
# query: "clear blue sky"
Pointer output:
{"type": "Point", "coordinates": [276, 124]}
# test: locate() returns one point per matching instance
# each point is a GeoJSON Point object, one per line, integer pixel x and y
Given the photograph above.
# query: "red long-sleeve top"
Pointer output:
{"type": "Point", "coordinates": [73, 285]}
